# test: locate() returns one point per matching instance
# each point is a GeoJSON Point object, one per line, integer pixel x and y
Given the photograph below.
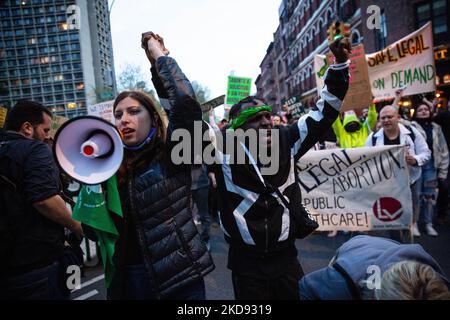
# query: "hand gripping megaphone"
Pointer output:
{"type": "Point", "coordinates": [89, 149]}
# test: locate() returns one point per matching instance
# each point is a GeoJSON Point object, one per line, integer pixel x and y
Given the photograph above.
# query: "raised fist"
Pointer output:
{"type": "Point", "coordinates": [341, 49]}
{"type": "Point", "coordinates": [154, 47]}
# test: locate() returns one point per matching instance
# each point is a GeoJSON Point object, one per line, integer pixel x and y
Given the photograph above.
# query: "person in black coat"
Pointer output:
{"type": "Point", "coordinates": [159, 254]}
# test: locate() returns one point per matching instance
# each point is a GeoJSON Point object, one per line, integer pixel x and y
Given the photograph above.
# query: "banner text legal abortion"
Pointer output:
{"type": "Point", "coordinates": [363, 172]}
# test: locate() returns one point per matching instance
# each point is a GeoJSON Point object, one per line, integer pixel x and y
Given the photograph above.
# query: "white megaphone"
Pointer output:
{"type": "Point", "coordinates": [89, 149]}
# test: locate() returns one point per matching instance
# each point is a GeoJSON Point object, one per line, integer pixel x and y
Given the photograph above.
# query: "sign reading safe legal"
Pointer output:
{"type": "Point", "coordinates": [408, 62]}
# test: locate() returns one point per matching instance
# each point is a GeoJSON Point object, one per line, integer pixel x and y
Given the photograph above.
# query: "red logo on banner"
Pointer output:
{"type": "Point", "coordinates": [387, 209]}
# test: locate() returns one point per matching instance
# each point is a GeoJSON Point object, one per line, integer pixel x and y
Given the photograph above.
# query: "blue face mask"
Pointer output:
{"type": "Point", "coordinates": [144, 143]}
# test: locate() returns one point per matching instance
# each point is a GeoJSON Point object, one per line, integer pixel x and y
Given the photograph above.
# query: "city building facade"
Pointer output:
{"type": "Point", "coordinates": [265, 83]}
{"type": "Point", "coordinates": [405, 17]}
{"type": "Point", "coordinates": [302, 33]}
{"type": "Point", "coordinates": [56, 52]}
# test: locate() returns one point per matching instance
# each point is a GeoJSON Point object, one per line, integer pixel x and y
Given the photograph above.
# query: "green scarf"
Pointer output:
{"type": "Point", "coordinates": [95, 211]}
{"type": "Point", "coordinates": [246, 114]}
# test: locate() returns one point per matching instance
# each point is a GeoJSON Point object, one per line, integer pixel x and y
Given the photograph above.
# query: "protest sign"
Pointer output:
{"type": "Point", "coordinates": [357, 189]}
{"type": "Point", "coordinates": [295, 107]}
{"type": "Point", "coordinates": [238, 88]}
{"type": "Point", "coordinates": [103, 110]}
{"type": "Point", "coordinates": [408, 63]}
{"type": "Point", "coordinates": [359, 94]}
{"type": "Point", "coordinates": [211, 104]}
{"type": "Point", "coordinates": [321, 64]}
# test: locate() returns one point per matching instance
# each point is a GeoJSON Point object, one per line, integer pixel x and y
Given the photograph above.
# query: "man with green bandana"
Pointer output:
{"type": "Point", "coordinates": [256, 223]}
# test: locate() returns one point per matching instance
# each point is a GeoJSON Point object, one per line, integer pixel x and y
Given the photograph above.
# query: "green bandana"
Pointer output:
{"type": "Point", "coordinates": [246, 114]}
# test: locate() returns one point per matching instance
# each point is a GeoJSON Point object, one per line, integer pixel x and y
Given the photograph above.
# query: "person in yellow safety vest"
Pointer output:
{"type": "Point", "coordinates": [352, 133]}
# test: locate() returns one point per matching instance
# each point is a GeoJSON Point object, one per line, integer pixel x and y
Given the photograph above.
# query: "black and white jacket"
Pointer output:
{"type": "Point", "coordinates": [253, 217]}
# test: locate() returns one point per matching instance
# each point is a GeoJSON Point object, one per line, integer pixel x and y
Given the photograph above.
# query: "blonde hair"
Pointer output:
{"type": "Point", "coordinates": [411, 280]}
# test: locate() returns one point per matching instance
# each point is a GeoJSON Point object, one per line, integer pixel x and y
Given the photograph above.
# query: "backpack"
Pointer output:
{"type": "Point", "coordinates": [411, 134]}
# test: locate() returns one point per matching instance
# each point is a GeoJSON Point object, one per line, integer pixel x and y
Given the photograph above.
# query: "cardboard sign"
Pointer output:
{"type": "Point", "coordinates": [211, 104]}
{"type": "Point", "coordinates": [408, 63]}
{"type": "Point", "coordinates": [333, 182]}
{"type": "Point", "coordinates": [359, 94]}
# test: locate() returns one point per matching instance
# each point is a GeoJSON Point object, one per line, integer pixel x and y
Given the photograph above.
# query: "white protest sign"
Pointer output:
{"type": "Point", "coordinates": [321, 65]}
{"type": "Point", "coordinates": [408, 62]}
{"type": "Point", "coordinates": [103, 110]}
{"type": "Point", "coordinates": [357, 189]}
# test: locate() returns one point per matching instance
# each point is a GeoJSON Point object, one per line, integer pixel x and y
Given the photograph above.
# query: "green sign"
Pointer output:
{"type": "Point", "coordinates": [238, 89]}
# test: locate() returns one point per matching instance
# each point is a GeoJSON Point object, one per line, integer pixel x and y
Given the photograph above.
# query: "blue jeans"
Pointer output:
{"type": "Point", "coordinates": [137, 286]}
{"type": "Point", "coordinates": [41, 284]}
{"type": "Point", "coordinates": [428, 192]}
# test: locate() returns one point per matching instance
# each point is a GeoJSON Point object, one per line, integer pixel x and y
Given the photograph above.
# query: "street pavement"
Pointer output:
{"type": "Point", "coordinates": [314, 252]}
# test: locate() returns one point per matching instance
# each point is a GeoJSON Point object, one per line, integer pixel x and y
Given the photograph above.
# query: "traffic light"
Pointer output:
{"type": "Point", "coordinates": [337, 30]}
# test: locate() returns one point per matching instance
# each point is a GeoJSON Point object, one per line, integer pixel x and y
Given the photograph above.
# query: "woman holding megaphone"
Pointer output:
{"type": "Point", "coordinates": [159, 254]}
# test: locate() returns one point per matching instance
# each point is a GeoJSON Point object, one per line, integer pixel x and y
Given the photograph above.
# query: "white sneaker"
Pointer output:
{"type": "Point", "coordinates": [430, 230]}
{"type": "Point", "coordinates": [416, 231]}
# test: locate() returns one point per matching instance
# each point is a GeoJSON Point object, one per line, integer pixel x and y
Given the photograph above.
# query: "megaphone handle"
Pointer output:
{"type": "Point", "coordinates": [111, 150]}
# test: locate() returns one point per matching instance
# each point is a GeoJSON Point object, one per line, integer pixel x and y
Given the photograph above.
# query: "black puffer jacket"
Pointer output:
{"type": "Point", "coordinates": [156, 198]}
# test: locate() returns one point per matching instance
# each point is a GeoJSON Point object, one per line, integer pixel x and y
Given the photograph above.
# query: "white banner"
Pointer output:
{"type": "Point", "coordinates": [103, 110]}
{"type": "Point", "coordinates": [408, 62]}
{"type": "Point", "coordinates": [357, 189]}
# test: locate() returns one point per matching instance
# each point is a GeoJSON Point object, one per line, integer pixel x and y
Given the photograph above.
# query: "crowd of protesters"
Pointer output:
{"type": "Point", "coordinates": [421, 127]}
{"type": "Point", "coordinates": [161, 254]}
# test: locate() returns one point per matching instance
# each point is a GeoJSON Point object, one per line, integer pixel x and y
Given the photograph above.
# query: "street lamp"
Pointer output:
{"type": "Point", "coordinates": [110, 7]}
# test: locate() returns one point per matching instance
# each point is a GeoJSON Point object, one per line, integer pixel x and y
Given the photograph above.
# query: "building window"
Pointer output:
{"type": "Point", "coordinates": [381, 34]}
{"type": "Point", "coordinates": [435, 11]}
